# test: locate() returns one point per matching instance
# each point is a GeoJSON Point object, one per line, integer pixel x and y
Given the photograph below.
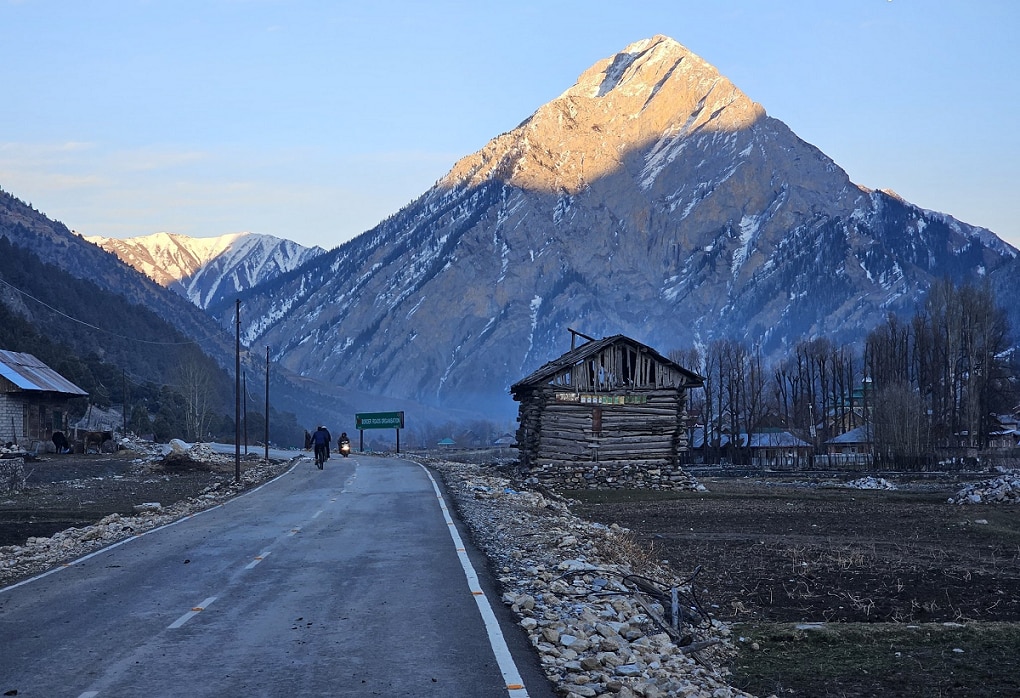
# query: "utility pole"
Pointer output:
{"type": "Point", "coordinates": [244, 413]}
{"type": "Point", "coordinates": [267, 404]}
{"type": "Point", "coordinates": [237, 393]}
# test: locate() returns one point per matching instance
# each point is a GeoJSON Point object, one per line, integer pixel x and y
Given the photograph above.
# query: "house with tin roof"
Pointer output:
{"type": "Point", "coordinates": [774, 449]}
{"type": "Point", "coordinates": [33, 399]}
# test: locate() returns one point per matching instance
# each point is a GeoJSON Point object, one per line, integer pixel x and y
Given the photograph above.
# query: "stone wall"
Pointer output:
{"type": "Point", "coordinates": [655, 475]}
{"type": "Point", "coordinates": [12, 475]}
{"type": "Point", "coordinates": [12, 416]}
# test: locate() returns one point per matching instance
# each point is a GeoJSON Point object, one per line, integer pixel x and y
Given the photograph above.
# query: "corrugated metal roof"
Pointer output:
{"type": "Point", "coordinates": [860, 435]}
{"type": "Point", "coordinates": [763, 439]}
{"type": "Point", "coordinates": [774, 439]}
{"type": "Point", "coordinates": [29, 373]}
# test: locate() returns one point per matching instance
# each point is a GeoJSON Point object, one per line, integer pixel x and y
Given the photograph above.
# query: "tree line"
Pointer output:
{"type": "Point", "coordinates": [924, 389]}
{"type": "Point", "coordinates": [167, 385]}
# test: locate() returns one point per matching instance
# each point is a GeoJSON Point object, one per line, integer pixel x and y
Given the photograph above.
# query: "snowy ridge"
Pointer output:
{"type": "Point", "coordinates": [208, 271]}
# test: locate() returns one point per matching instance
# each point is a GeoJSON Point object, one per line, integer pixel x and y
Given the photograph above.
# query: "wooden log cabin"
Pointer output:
{"type": "Point", "coordinates": [608, 413]}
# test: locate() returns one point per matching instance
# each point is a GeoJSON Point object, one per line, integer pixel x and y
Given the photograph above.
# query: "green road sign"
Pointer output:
{"type": "Point", "coordinates": [379, 420]}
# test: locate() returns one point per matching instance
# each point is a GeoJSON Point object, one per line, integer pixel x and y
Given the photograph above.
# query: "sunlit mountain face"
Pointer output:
{"type": "Point", "coordinates": [209, 271]}
{"type": "Point", "coordinates": [652, 199]}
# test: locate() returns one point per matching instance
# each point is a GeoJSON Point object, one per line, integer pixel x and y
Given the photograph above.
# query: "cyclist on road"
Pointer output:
{"type": "Point", "coordinates": [320, 441]}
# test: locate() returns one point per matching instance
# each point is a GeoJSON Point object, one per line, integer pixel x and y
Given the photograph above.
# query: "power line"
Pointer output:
{"type": "Point", "coordinates": [89, 325]}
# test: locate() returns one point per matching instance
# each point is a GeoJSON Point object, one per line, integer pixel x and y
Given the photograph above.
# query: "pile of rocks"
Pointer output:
{"type": "Point", "coordinates": [871, 483]}
{"type": "Point", "coordinates": [1004, 489]}
{"type": "Point", "coordinates": [563, 577]}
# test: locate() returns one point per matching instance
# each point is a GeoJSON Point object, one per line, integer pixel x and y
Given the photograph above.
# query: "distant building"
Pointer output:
{"type": "Point", "coordinates": [851, 449]}
{"type": "Point", "coordinates": [1005, 433]}
{"type": "Point", "coordinates": [609, 413]}
{"type": "Point", "coordinates": [33, 399]}
{"type": "Point", "coordinates": [774, 449]}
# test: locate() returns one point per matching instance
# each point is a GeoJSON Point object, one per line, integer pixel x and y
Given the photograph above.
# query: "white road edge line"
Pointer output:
{"type": "Point", "coordinates": [192, 613]}
{"type": "Point", "coordinates": [511, 675]}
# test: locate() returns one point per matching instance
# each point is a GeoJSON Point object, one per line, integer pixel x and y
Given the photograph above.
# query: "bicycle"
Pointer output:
{"type": "Point", "coordinates": [320, 456]}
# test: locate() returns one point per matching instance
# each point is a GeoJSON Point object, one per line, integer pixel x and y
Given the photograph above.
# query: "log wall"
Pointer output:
{"type": "Point", "coordinates": [574, 445]}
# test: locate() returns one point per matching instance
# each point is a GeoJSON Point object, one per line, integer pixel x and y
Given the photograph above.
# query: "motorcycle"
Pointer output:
{"type": "Point", "coordinates": [345, 448]}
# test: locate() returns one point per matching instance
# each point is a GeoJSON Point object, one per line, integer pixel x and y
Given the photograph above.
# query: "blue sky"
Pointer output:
{"type": "Point", "coordinates": [313, 121]}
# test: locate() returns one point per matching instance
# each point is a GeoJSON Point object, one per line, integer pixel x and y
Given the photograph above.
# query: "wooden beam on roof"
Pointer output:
{"type": "Point", "coordinates": [574, 334]}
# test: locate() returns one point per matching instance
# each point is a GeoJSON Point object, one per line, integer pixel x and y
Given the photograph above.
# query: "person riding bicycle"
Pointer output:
{"type": "Point", "coordinates": [320, 442]}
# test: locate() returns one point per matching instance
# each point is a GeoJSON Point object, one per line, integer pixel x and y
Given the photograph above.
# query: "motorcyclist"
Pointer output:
{"type": "Point", "coordinates": [342, 442]}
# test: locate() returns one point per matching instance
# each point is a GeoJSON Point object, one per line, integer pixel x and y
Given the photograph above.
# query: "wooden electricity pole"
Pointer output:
{"type": "Point", "coordinates": [237, 394]}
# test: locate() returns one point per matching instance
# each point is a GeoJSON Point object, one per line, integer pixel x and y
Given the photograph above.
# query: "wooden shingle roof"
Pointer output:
{"type": "Point", "coordinates": [589, 349]}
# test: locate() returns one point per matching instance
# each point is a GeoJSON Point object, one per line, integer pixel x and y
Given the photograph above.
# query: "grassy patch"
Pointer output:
{"type": "Point", "coordinates": [854, 660]}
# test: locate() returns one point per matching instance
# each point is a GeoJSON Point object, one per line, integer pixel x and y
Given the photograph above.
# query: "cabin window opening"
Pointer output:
{"type": "Point", "coordinates": [629, 366]}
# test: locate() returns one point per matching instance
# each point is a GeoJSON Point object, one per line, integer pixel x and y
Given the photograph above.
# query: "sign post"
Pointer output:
{"type": "Point", "coordinates": [379, 420]}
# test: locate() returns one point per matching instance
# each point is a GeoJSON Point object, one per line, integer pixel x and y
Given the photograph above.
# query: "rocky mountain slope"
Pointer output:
{"type": "Point", "coordinates": [209, 271]}
{"type": "Point", "coordinates": [51, 242]}
{"type": "Point", "coordinates": [652, 198]}
{"type": "Point", "coordinates": [148, 335]}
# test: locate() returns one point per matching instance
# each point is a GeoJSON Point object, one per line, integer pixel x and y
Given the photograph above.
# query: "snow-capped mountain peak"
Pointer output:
{"type": "Point", "coordinates": [652, 198]}
{"type": "Point", "coordinates": [208, 271]}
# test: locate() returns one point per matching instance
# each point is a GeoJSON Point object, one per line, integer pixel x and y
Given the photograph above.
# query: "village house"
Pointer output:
{"type": "Point", "coordinates": [770, 449]}
{"type": "Point", "coordinates": [1005, 434]}
{"type": "Point", "coordinates": [33, 400]}
{"type": "Point", "coordinates": [611, 412]}
{"type": "Point", "coordinates": [853, 449]}
{"type": "Point", "coordinates": [778, 449]}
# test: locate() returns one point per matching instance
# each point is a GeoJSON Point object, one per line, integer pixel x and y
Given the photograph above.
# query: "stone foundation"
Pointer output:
{"type": "Point", "coordinates": [616, 475]}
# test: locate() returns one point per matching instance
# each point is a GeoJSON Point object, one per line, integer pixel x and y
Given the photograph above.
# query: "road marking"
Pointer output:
{"type": "Point", "coordinates": [192, 613]}
{"type": "Point", "coordinates": [316, 514]}
{"type": "Point", "coordinates": [511, 675]}
{"type": "Point", "coordinates": [122, 541]}
{"type": "Point", "coordinates": [89, 694]}
{"type": "Point", "coordinates": [257, 560]}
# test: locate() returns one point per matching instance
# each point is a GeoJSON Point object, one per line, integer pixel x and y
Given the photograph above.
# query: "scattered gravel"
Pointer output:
{"type": "Point", "coordinates": [565, 578]}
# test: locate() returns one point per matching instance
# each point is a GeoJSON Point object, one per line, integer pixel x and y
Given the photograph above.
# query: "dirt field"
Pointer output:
{"type": "Point", "coordinates": [78, 490]}
{"type": "Point", "coordinates": [779, 552]}
{"type": "Point", "coordinates": [886, 567]}
{"type": "Point", "coordinates": [835, 592]}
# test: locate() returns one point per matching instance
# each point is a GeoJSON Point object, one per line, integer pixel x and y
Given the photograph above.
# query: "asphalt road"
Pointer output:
{"type": "Point", "coordinates": [342, 582]}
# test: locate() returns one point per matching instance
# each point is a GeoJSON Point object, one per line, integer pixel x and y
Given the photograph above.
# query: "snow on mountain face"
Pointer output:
{"type": "Point", "coordinates": [653, 199]}
{"type": "Point", "coordinates": [208, 271]}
